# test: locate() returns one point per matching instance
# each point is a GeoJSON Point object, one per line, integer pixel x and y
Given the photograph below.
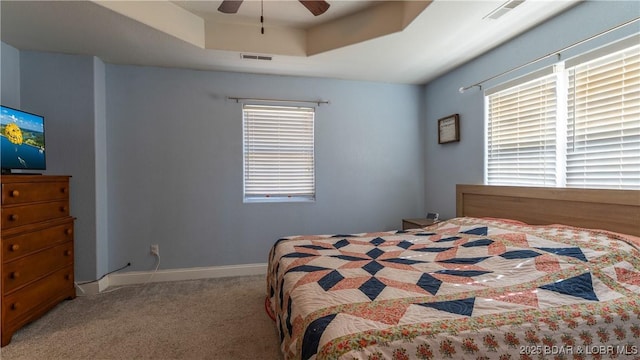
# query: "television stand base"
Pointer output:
{"type": "Point", "coordinates": [9, 172]}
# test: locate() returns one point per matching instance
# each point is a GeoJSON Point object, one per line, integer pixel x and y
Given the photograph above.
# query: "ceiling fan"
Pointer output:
{"type": "Point", "coordinates": [314, 6]}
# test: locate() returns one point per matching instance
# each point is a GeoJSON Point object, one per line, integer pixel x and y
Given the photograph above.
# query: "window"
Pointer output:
{"type": "Point", "coordinates": [575, 127]}
{"type": "Point", "coordinates": [278, 153]}
{"type": "Point", "coordinates": [603, 147]}
{"type": "Point", "coordinates": [522, 134]}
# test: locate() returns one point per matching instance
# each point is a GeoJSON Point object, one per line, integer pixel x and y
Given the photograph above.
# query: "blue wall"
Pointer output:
{"type": "Point", "coordinates": [175, 164]}
{"type": "Point", "coordinates": [463, 163]}
{"type": "Point", "coordinates": [9, 76]}
{"type": "Point", "coordinates": [101, 175]}
{"type": "Point", "coordinates": [155, 156]}
{"type": "Point", "coordinates": [64, 88]}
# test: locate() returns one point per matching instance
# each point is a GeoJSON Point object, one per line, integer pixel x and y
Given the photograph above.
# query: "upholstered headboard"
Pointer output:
{"type": "Point", "coordinates": [614, 210]}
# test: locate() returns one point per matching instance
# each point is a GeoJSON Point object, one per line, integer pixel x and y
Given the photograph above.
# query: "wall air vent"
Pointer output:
{"type": "Point", "coordinates": [503, 9]}
{"type": "Point", "coordinates": [256, 57]}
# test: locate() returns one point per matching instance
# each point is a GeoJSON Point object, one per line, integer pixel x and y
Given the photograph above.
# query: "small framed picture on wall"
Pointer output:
{"type": "Point", "coordinates": [449, 129]}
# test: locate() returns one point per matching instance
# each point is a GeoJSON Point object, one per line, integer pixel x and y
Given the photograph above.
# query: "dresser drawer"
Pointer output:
{"type": "Point", "coordinates": [24, 270]}
{"type": "Point", "coordinates": [13, 216]}
{"type": "Point", "coordinates": [17, 242]}
{"type": "Point", "coordinates": [18, 193]}
{"type": "Point", "coordinates": [46, 290]}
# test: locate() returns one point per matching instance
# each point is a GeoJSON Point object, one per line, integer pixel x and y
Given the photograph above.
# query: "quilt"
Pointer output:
{"type": "Point", "coordinates": [465, 288]}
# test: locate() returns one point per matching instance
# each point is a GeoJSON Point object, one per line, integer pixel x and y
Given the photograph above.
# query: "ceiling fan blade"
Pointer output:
{"type": "Point", "coordinates": [316, 7]}
{"type": "Point", "coordinates": [230, 6]}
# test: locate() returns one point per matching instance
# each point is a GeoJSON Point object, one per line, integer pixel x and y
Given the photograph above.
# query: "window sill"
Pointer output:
{"type": "Point", "coordinates": [293, 199]}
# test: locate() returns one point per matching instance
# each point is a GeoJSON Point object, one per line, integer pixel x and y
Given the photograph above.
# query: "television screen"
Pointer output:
{"type": "Point", "coordinates": [22, 136]}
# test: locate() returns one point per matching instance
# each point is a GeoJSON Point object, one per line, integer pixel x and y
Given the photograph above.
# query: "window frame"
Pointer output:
{"type": "Point", "coordinates": [280, 195]}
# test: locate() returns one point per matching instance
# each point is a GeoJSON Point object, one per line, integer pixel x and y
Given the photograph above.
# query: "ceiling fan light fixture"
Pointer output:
{"type": "Point", "coordinates": [316, 7]}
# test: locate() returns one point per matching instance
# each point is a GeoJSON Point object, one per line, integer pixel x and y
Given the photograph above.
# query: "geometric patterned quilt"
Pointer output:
{"type": "Point", "coordinates": [465, 288]}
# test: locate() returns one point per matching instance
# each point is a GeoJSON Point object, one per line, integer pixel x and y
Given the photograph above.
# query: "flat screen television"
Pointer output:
{"type": "Point", "coordinates": [22, 140]}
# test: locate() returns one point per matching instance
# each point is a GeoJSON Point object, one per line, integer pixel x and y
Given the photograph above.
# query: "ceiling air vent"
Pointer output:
{"type": "Point", "coordinates": [503, 9]}
{"type": "Point", "coordinates": [256, 57]}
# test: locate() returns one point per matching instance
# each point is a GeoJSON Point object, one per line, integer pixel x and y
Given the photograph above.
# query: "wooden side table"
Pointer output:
{"type": "Point", "coordinates": [417, 223]}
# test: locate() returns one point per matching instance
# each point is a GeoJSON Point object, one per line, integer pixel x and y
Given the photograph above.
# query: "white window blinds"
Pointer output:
{"type": "Point", "coordinates": [579, 127]}
{"type": "Point", "coordinates": [603, 136]}
{"type": "Point", "coordinates": [278, 153]}
{"type": "Point", "coordinates": [521, 142]}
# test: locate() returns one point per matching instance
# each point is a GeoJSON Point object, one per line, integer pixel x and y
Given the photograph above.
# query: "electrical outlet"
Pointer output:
{"type": "Point", "coordinates": [155, 249]}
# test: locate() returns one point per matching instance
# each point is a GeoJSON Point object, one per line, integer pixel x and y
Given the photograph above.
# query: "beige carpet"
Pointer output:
{"type": "Point", "coordinates": [197, 319]}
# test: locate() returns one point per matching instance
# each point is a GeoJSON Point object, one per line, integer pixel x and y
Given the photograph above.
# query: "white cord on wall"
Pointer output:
{"type": "Point", "coordinates": [154, 271]}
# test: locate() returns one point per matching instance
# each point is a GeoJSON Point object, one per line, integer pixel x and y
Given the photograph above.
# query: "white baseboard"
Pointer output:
{"type": "Point", "coordinates": [141, 277]}
{"type": "Point", "coordinates": [92, 288]}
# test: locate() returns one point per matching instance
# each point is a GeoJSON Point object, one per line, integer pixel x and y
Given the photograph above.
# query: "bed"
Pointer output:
{"type": "Point", "coordinates": [502, 280]}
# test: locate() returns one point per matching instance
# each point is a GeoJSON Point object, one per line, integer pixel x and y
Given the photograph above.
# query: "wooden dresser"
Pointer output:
{"type": "Point", "coordinates": [37, 248]}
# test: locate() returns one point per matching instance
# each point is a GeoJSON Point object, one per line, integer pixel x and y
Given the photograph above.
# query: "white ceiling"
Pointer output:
{"type": "Point", "coordinates": [444, 35]}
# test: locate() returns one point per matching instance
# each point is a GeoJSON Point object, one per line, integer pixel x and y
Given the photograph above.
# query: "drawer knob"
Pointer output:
{"type": "Point", "coordinates": [67, 277]}
{"type": "Point", "coordinates": [13, 217]}
{"type": "Point", "coordinates": [63, 190]}
{"type": "Point", "coordinates": [15, 306]}
{"type": "Point", "coordinates": [63, 208]}
{"type": "Point", "coordinates": [14, 247]}
{"type": "Point", "coordinates": [15, 193]}
{"type": "Point", "coordinates": [15, 275]}
{"type": "Point", "coordinates": [67, 252]}
{"type": "Point", "coordinates": [68, 231]}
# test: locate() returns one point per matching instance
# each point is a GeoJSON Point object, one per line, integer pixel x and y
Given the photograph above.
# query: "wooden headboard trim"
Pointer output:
{"type": "Point", "coordinates": [613, 210]}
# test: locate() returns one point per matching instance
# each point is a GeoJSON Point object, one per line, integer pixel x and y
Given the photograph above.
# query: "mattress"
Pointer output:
{"type": "Point", "coordinates": [466, 288]}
